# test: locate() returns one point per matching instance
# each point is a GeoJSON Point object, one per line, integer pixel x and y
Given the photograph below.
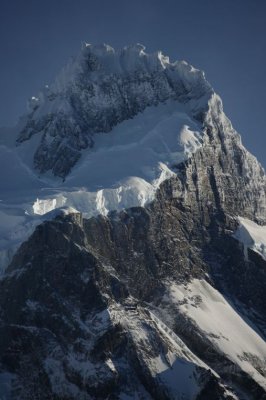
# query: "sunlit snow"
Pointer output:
{"type": "Point", "coordinates": [252, 235]}
{"type": "Point", "coordinates": [212, 313]}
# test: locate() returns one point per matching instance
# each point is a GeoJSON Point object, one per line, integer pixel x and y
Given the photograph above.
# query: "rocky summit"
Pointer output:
{"type": "Point", "coordinates": [133, 239]}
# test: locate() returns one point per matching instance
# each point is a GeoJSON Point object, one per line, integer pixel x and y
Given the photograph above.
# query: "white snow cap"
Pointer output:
{"type": "Point", "coordinates": [105, 59]}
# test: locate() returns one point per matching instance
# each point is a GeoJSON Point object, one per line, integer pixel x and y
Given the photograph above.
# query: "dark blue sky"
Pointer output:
{"type": "Point", "coordinates": [225, 38]}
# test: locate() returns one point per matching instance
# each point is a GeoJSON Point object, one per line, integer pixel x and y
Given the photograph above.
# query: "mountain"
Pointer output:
{"type": "Point", "coordinates": [132, 239]}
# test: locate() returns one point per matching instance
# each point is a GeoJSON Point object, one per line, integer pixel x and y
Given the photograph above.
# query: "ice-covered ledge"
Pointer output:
{"type": "Point", "coordinates": [252, 235]}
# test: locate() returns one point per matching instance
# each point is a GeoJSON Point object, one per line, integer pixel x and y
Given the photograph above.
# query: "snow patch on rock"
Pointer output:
{"type": "Point", "coordinates": [252, 236]}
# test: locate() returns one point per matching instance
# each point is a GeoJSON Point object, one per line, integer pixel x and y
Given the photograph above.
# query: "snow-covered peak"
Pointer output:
{"type": "Point", "coordinates": [97, 60]}
{"type": "Point", "coordinates": [101, 88]}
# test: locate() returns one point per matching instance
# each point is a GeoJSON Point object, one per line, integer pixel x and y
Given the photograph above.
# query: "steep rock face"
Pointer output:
{"type": "Point", "coordinates": [90, 297]}
{"type": "Point", "coordinates": [222, 174]}
{"type": "Point", "coordinates": [76, 317]}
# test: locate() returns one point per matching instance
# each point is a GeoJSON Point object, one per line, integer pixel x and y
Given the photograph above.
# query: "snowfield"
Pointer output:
{"type": "Point", "coordinates": [213, 315]}
{"type": "Point", "coordinates": [123, 169]}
